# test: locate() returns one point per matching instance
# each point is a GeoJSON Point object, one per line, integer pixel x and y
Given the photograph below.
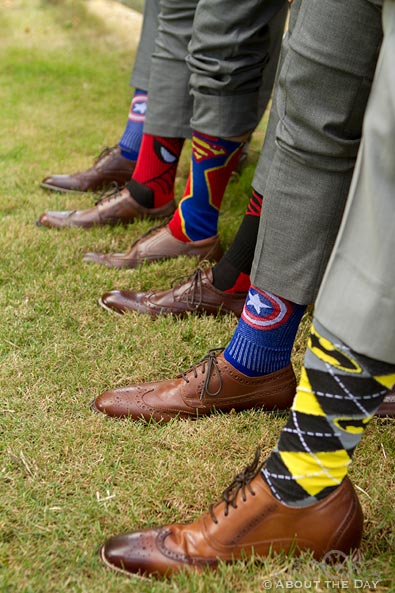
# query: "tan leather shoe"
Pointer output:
{"type": "Point", "coordinates": [195, 295]}
{"type": "Point", "coordinates": [117, 207]}
{"type": "Point", "coordinates": [212, 384]}
{"type": "Point", "coordinates": [109, 167]}
{"type": "Point", "coordinates": [248, 521]}
{"type": "Point", "coordinates": [155, 245]}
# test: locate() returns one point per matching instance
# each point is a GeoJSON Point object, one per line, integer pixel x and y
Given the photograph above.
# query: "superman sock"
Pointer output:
{"type": "Point", "coordinates": [338, 394]}
{"type": "Point", "coordinates": [264, 337]}
{"type": "Point", "coordinates": [212, 162]}
{"type": "Point", "coordinates": [131, 139]}
{"type": "Point", "coordinates": [232, 273]}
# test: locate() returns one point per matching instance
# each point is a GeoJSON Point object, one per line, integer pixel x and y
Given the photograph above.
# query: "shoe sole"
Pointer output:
{"type": "Point", "coordinates": [107, 564]}
{"type": "Point", "coordinates": [61, 190]}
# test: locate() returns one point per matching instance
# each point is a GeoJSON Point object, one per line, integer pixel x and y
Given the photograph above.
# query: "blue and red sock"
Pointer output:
{"type": "Point", "coordinates": [212, 162]}
{"type": "Point", "coordinates": [264, 337]}
{"type": "Point", "coordinates": [131, 139]}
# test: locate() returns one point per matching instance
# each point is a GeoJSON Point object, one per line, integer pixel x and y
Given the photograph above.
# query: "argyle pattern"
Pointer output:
{"type": "Point", "coordinates": [338, 393]}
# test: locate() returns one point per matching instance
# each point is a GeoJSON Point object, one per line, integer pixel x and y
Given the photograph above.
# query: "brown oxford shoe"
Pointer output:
{"type": "Point", "coordinates": [387, 408]}
{"type": "Point", "coordinates": [248, 521]}
{"type": "Point", "coordinates": [109, 167]}
{"type": "Point", "coordinates": [116, 207]}
{"type": "Point", "coordinates": [195, 295]}
{"type": "Point", "coordinates": [212, 384]}
{"type": "Point", "coordinates": [157, 244]}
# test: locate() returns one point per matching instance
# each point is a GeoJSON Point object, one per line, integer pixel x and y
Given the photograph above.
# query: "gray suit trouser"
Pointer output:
{"type": "Point", "coordinates": [314, 132]}
{"type": "Point", "coordinates": [142, 63]}
{"type": "Point", "coordinates": [356, 301]}
{"type": "Point", "coordinates": [213, 64]}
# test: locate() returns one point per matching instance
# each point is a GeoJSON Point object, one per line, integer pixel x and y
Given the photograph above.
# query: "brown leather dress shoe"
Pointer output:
{"type": "Point", "coordinates": [195, 295]}
{"type": "Point", "coordinates": [212, 384]}
{"type": "Point", "coordinates": [247, 521]}
{"type": "Point", "coordinates": [158, 243]}
{"type": "Point", "coordinates": [117, 207]}
{"type": "Point", "coordinates": [387, 408]}
{"type": "Point", "coordinates": [109, 167]}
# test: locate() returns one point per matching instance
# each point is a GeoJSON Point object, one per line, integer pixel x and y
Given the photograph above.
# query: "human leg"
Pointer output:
{"type": "Point", "coordinates": [339, 391]}
{"type": "Point", "coordinates": [305, 181]}
{"type": "Point", "coordinates": [231, 73]}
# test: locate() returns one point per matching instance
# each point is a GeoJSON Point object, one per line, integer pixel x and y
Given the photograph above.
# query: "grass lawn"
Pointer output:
{"type": "Point", "coordinates": [69, 478]}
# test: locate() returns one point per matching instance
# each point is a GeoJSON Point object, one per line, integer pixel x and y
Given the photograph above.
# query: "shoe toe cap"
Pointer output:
{"type": "Point", "coordinates": [105, 403]}
{"type": "Point", "coordinates": [113, 301]}
{"type": "Point", "coordinates": [111, 260]}
{"type": "Point", "coordinates": [92, 257]}
{"type": "Point", "coordinates": [135, 553]}
{"type": "Point", "coordinates": [122, 301]}
{"type": "Point", "coordinates": [53, 218]}
{"type": "Point", "coordinates": [61, 183]}
{"type": "Point", "coordinates": [117, 403]}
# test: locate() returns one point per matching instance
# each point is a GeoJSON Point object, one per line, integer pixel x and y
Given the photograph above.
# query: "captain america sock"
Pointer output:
{"type": "Point", "coordinates": [131, 138]}
{"type": "Point", "coordinates": [232, 273]}
{"type": "Point", "coordinates": [264, 337]}
{"type": "Point", "coordinates": [338, 393]}
{"type": "Point", "coordinates": [153, 179]}
{"type": "Point", "coordinates": [212, 161]}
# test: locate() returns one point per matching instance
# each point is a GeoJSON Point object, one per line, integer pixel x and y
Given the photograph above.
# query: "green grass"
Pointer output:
{"type": "Point", "coordinates": [69, 478]}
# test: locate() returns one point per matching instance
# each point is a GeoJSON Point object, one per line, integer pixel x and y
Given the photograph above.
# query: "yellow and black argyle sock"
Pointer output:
{"type": "Point", "coordinates": [338, 394]}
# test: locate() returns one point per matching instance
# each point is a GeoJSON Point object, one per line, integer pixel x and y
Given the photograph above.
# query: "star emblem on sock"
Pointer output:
{"type": "Point", "coordinates": [140, 108]}
{"type": "Point", "coordinates": [255, 301]}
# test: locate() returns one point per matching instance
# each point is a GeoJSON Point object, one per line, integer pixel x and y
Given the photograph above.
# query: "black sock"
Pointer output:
{"type": "Point", "coordinates": [232, 272]}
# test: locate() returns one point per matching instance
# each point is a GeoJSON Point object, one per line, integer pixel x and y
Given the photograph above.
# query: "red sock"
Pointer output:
{"type": "Point", "coordinates": [156, 168]}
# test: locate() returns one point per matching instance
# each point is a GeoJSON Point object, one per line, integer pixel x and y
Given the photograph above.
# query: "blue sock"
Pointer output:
{"type": "Point", "coordinates": [264, 337]}
{"type": "Point", "coordinates": [133, 133]}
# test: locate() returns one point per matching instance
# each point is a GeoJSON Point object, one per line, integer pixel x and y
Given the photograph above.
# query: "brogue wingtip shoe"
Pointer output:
{"type": "Point", "coordinates": [248, 520]}
{"type": "Point", "coordinates": [196, 295]}
{"type": "Point", "coordinates": [210, 386]}
{"type": "Point", "coordinates": [108, 168]}
{"type": "Point", "coordinates": [156, 245]}
{"type": "Point", "coordinates": [131, 554]}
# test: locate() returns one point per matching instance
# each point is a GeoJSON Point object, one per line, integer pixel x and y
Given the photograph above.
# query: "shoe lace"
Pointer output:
{"type": "Point", "coordinates": [151, 230]}
{"type": "Point", "coordinates": [108, 194]}
{"type": "Point", "coordinates": [107, 150]}
{"type": "Point", "coordinates": [207, 365]}
{"type": "Point", "coordinates": [241, 482]}
{"type": "Point", "coordinates": [193, 294]}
